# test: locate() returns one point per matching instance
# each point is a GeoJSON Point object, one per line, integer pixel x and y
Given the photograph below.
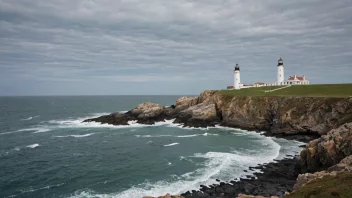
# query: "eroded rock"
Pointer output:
{"type": "Point", "coordinates": [328, 150]}
{"type": "Point", "coordinates": [345, 166]}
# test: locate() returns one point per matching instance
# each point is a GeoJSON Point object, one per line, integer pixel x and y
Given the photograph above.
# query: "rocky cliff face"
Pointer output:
{"type": "Point", "coordinates": [328, 150]}
{"type": "Point", "coordinates": [276, 115]}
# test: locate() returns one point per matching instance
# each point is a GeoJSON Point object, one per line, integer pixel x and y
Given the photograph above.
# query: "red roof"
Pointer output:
{"type": "Point", "coordinates": [259, 83]}
{"type": "Point", "coordinates": [298, 78]}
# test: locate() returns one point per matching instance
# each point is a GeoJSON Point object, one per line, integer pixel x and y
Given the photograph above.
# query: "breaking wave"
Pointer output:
{"type": "Point", "coordinates": [33, 146]}
{"type": "Point", "coordinates": [29, 118]}
{"type": "Point", "coordinates": [172, 144]}
{"type": "Point", "coordinates": [35, 130]}
{"type": "Point", "coordinates": [215, 165]}
{"type": "Point", "coordinates": [76, 136]}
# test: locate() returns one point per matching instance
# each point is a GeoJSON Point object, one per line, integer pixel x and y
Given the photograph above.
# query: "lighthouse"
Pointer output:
{"type": "Point", "coordinates": [280, 72]}
{"type": "Point", "coordinates": [237, 77]}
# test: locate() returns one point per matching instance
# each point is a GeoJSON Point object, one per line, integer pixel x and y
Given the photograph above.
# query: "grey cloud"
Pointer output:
{"type": "Point", "coordinates": [195, 42]}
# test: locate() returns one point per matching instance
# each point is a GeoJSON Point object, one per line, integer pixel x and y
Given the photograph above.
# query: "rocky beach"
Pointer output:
{"type": "Point", "coordinates": [324, 123]}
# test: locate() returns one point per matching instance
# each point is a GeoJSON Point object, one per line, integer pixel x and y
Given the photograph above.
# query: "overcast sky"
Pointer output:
{"type": "Point", "coordinates": [108, 47]}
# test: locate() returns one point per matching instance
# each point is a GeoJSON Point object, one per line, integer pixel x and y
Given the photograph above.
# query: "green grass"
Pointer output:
{"type": "Point", "coordinates": [326, 187]}
{"type": "Point", "coordinates": [328, 90]}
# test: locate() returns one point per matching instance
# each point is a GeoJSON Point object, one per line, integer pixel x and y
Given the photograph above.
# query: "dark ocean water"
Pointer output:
{"type": "Point", "coordinates": [46, 150]}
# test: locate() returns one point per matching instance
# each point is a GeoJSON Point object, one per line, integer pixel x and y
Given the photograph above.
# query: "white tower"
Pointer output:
{"type": "Point", "coordinates": [237, 77]}
{"type": "Point", "coordinates": [280, 72]}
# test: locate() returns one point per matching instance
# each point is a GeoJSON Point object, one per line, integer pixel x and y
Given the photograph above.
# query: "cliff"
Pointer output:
{"type": "Point", "coordinates": [283, 116]}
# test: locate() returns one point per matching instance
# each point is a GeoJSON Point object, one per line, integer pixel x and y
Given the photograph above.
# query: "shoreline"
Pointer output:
{"type": "Point", "coordinates": [290, 118]}
{"type": "Point", "coordinates": [274, 179]}
{"type": "Point", "coordinates": [263, 180]}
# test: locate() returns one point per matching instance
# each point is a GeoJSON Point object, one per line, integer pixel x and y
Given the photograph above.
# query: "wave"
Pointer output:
{"type": "Point", "coordinates": [179, 136]}
{"type": "Point", "coordinates": [195, 135]}
{"type": "Point", "coordinates": [76, 136]}
{"type": "Point", "coordinates": [153, 136]}
{"type": "Point", "coordinates": [43, 188]}
{"type": "Point", "coordinates": [29, 118]}
{"type": "Point", "coordinates": [172, 144]}
{"type": "Point", "coordinates": [33, 146]}
{"type": "Point", "coordinates": [36, 130]}
{"type": "Point", "coordinates": [215, 165]}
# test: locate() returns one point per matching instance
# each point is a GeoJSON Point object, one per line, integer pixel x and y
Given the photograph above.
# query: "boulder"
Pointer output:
{"type": "Point", "coordinates": [328, 150]}
{"type": "Point", "coordinates": [146, 113]}
{"type": "Point", "coordinates": [201, 115]}
{"type": "Point", "coordinates": [185, 102]}
{"type": "Point", "coordinates": [147, 110]}
{"type": "Point", "coordinates": [165, 196]}
{"type": "Point", "coordinates": [345, 166]}
{"type": "Point", "coordinates": [114, 119]}
{"type": "Point", "coordinates": [251, 196]}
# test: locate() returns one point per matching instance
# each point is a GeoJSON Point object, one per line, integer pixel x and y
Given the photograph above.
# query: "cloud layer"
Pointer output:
{"type": "Point", "coordinates": [51, 47]}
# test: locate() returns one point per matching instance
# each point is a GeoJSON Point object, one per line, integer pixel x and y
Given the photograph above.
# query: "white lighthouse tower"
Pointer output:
{"type": "Point", "coordinates": [280, 72]}
{"type": "Point", "coordinates": [237, 77]}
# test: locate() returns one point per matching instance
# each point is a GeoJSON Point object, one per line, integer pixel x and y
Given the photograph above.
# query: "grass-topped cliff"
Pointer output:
{"type": "Point", "coordinates": [328, 90]}
{"type": "Point", "coordinates": [328, 186]}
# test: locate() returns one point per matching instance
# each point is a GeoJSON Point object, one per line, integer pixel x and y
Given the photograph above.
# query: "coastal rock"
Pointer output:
{"type": "Point", "coordinates": [286, 115]}
{"type": "Point", "coordinates": [300, 118]}
{"type": "Point", "coordinates": [201, 115]}
{"type": "Point", "coordinates": [275, 179]}
{"type": "Point", "coordinates": [328, 150]}
{"type": "Point", "coordinates": [146, 113]}
{"type": "Point", "coordinates": [345, 166]}
{"type": "Point", "coordinates": [114, 119]}
{"type": "Point", "coordinates": [185, 102]}
{"type": "Point", "coordinates": [252, 196]}
{"type": "Point", "coordinates": [166, 196]}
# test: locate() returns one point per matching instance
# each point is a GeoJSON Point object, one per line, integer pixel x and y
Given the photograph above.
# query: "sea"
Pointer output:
{"type": "Point", "coordinates": [47, 151]}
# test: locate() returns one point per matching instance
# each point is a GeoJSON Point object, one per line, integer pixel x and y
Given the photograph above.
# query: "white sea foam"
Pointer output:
{"type": "Point", "coordinates": [33, 146]}
{"type": "Point", "coordinates": [43, 188]}
{"type": "Point", "coordinates": [76, 136]}
{"type": "Point", "coordinates": [152, 136]}
{"type": "Point", "coordinates": [172, 144]}
{"type": "Point", "coordinates": [195, 135]}
{"type": "Point", "coordinates": [29, 118]}
{"type": "Point", "coordinates": [36, 130]}
{"type": "Point", "coordinates": [217, 165]}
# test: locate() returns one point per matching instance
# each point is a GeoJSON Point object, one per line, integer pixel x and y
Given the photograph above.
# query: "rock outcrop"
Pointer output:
{"type": "Point", "coordinates": [146, 113]}
{"type": "Point", "coordinates": [252, 196]}
{"type": "Point", "coordinates": [306, 117]}
{"type": "Point", "coordinates": [166, 196]}
{"type": "Point", "coordinates": [201, 115]}
{"type": "Point", "coordinates": [344, 166]}
{"type": "Point", "coordinates": [328, 150]}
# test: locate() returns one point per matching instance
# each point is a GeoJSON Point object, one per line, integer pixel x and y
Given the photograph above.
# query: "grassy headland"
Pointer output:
{"type": "Point", "coordinates": [328, 186]}
{"type": "Point", "coordinates": [327, 90]}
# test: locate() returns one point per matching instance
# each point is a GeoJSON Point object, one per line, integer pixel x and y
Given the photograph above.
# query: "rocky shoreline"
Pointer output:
{"type": "Point", "coordinates": [274, 179]}
{"type": "Point", "coordinates": [324, 123]}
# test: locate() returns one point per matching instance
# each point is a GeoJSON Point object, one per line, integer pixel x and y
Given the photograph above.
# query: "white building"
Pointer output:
{"type": "Point", "coordinates": [292, 80]}
{"type": "Point", "coordinates": [280, 72]}
{"type": "Point", "coordinates": [237, 77]}
{"type": "Point", "coordinates": [297, 80]}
